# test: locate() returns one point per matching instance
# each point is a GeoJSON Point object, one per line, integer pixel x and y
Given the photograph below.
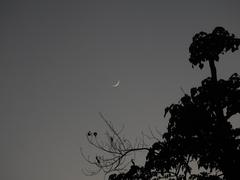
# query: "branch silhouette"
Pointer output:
{"type": "Point", "coordinates": [118, 150]}
{"type": "Point", "coordinates": [199, 134]}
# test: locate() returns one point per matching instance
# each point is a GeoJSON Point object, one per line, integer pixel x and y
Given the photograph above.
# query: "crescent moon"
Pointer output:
{"type": "Point", "coordinates": [116, 84]}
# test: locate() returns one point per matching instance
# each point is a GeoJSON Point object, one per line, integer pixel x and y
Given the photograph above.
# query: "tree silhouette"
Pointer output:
{"type": "Point", "coordinates": [199, 134]}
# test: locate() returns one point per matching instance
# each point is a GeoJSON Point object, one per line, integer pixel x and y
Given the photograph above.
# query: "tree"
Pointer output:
{"type": "Point", "coordinates": [199, 130]}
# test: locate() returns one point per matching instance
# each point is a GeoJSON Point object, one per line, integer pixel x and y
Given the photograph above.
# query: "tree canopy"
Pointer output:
{"type": "Point", "coordinates": [199, 134]}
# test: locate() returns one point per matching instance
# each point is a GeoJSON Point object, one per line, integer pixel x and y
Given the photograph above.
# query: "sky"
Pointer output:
{"type": "Point", "coordinates": [59, 60]}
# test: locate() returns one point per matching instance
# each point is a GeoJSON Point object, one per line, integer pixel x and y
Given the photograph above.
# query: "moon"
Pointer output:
{"type": "Point", "coordinates": [116, 84]}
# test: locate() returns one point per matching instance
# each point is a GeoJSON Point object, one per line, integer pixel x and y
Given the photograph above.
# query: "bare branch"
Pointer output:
{"type": "Point", "coordinates": [117, 151]}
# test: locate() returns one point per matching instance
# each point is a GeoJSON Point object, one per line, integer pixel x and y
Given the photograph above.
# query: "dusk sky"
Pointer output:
{"type": "Point", "coordinates": [59, 60]}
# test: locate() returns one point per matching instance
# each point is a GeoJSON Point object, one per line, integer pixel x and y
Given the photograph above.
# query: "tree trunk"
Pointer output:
{"type": "Point", "coordinates": [213, 70]}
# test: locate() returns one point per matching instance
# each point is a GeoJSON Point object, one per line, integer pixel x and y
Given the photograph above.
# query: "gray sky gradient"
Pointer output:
{"type": "Point", "coordinates": [59, 59]}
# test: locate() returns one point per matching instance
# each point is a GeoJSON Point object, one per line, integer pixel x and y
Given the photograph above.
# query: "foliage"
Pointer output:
{"type": "Point", "coordinates": [199, 130]}
{"type": "Point", "coordinates": [208, 46]}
